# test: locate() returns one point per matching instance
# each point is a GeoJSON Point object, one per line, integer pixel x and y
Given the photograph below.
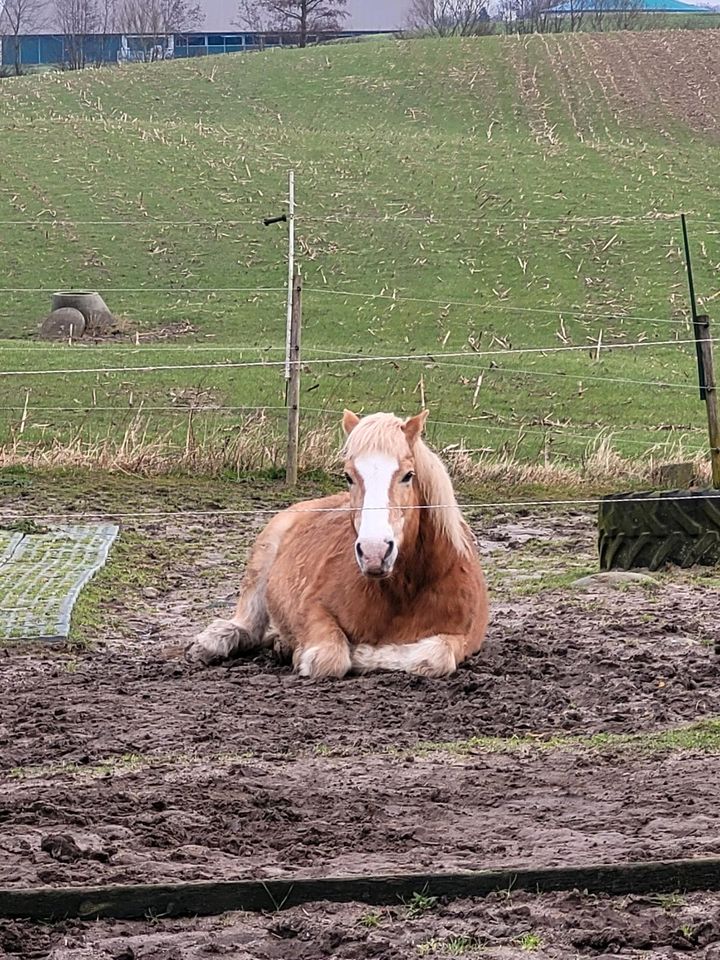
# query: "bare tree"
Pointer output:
{"type": "Point", "coordinates": [449, 18]}
{"type": "Point", "coordinates": [542, 16]}
{"type": "Point", "coordinates": [77, 20]}
{"type": "Point", "coordinates": [299, 17]}
{"type": "Point", "coordinates": [18, 17]}
{"type": "Point", "coordinates": [549, 16]}
{"type": "Point", "coordinates": [253, 16]}
{"type": "Point", "coordinates": [615, 14]}
{"type": "Point", "coordinates": [152, 22]}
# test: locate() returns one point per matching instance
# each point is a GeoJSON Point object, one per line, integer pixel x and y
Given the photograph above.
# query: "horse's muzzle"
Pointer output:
{"type": "Point", "coordinates": [376, 558]}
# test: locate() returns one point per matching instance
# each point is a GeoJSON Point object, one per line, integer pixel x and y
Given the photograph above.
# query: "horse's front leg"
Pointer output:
{"type": "Point", "coordinates": [321, 647]}
{"type": "Point", "coordinates": [246, 631]}
{"type": "Point", "coordinates": [436, 656]}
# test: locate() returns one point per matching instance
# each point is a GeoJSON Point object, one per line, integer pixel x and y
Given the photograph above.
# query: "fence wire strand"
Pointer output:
{"type": "Point", "coordinates": [267, 511]}
{"type": "Point", "coordinates": [414, 358]}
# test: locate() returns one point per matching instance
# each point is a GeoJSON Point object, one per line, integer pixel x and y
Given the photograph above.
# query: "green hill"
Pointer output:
{"type": "Point", "coordinates": [473, 197]}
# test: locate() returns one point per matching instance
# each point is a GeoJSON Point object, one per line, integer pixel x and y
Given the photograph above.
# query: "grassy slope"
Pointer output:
{"type": "Point", "coordinates": [478, 134]}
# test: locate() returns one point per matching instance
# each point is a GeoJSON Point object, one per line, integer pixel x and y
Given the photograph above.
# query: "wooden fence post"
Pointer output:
{"type": "Point", "coordinates": [291, 272]}
{"type": "Point", "coordinates": [710, 390]}
{"type": "Point", "coordinates": [293, 394]}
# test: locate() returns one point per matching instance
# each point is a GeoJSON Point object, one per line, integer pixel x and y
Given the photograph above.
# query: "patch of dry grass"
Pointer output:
{"type": "Point", "coordinates": [257, 443]}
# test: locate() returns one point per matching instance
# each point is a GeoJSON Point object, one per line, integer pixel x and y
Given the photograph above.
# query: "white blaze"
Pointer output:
{"type": "Point", "coordinates": [377, 472]}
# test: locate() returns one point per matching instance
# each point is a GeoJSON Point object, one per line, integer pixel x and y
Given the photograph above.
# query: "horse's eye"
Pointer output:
{"type": "Point", "coordinates": [349, 479]}
{"type": "Point", "coordinates": [408, 477]}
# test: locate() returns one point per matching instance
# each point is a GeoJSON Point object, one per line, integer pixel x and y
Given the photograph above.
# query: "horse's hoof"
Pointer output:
{"type": "Point", "coordinates": [282, 649]}
{"type": "Point", "coordinates": [434, 659]}
{"type": "Point", "coordinates": [197, 653]}
{"type": "Point", "coordinates": [318, 662]}
{"type": "Point", "coordinates": [433, 670]}
{"type": "Point", "coordinates": [216, 643]}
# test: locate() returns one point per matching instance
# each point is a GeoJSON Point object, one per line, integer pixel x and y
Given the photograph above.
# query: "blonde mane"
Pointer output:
{"type": "Point", "coordinates": [383, 433]}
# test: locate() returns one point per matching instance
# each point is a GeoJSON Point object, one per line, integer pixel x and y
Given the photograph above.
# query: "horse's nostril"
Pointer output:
{"type": "Point", "coordinates": [390, 548]}
{"type": "Point", "coordinates": [358, 551]}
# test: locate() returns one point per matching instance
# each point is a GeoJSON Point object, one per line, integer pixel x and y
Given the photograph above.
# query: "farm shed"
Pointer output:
{"type": "Point", "coordinates": [219, 35]}
{"type": "Point", "coordinates": [53, 49]}
{"type": "Point", "coordinates": [591, 7]}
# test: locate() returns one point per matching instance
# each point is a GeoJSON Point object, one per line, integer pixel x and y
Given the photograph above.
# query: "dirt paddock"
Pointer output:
{"type": "Point", "coordinates": [506, 927]}
{"type": "Point", "coordinates": [575, 736]}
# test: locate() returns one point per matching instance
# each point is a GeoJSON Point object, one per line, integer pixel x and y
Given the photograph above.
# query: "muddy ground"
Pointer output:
{"type": "Point", "coordinates": [123, 763]}
{"type": "Point", "coordinates": [508, 927]}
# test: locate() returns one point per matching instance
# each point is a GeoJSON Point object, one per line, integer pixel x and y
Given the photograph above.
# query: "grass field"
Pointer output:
{"type": "Point", "coordinates": [474, 197]}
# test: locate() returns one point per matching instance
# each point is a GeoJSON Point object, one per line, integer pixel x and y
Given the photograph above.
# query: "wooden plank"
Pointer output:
{"type": "Point", "coordinates": [138, 901]}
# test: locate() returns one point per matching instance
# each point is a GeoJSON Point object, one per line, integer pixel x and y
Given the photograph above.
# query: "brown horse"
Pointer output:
{"type": "Point", "coordinates": [382, 577]}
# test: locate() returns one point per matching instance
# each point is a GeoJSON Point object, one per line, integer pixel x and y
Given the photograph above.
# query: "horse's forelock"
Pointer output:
{"type": "Point", "coordinates": [378, 433]}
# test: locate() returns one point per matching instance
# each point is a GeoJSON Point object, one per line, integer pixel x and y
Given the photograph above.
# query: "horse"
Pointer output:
{"type": "Point", "coordinates": [382, 576]}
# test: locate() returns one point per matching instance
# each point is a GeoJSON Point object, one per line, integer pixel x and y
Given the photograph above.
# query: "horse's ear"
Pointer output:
{"type": "Point", "coordinates": [350, 421]}
{"type": "Point", "coordinates": [414, 426]}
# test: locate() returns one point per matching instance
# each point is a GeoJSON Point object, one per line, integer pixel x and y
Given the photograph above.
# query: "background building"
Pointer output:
{"type": "Point", "coordinates": [219, 34]}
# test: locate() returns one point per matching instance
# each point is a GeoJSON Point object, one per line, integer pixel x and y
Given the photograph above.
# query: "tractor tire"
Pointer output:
{"type": "Point", "coordinates": [651, 530]}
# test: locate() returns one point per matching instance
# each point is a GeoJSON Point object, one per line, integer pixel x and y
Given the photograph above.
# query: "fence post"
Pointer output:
{"type": "Point", "coordinates": [291, 274]}
{"type": "Point", "coordinates": [693, 306]}
{"type": "Point", "coordinates": [705, 350]}
{"type": "Point", "coordinates": [293, 384]}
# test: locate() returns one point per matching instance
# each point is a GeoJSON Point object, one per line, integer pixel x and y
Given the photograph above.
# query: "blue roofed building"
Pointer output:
{"type": "Point", "coordinates": [218, 33]}
{"type": "Point", "coordinates": [622, 6]}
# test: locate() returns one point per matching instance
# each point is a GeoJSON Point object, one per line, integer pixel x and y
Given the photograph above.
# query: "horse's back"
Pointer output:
{"type": "Point", "coordinates": [303, 528]}
{"type": "Point", "coordinates": [309, 539]}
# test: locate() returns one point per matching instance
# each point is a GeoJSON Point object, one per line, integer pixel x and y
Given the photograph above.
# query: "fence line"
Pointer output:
{"type": "Point", "coordinates": [558, 311]}
{"type": "Point", "coordinates": [350, 357]}
{"type": "Point", "coordinates": [560, 221]}
{"type": "Point", "coordinates": [147, 222]}
{"type": "Point", "coordinates": [337, 357]}
{"type": "Point", "coordinates": [432, 220]}
{"type": "Point", "coordinates": [264, 511]}
{"type": "Point", "coordinates": [151, 290]}
{"type": "Point", "coordinates": [130, 346]}
{"type": "Point", "coordinates": [576, 376]}
{"type": "Point", "coordinates": [141, 408]}
{"type": "Point", "coordinates": [415, 358]}
{"type": "Point", "coordinates": [566, 430]}
{"type": "Point", "coordinates": [554, 312]}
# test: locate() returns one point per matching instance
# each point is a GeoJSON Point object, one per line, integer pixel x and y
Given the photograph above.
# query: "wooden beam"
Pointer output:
{"type": "Point", "coordinates": [135, 902]}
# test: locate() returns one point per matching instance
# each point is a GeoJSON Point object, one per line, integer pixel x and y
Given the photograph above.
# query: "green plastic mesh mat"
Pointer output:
{"type": "Point", "coordinates": [42, 574]}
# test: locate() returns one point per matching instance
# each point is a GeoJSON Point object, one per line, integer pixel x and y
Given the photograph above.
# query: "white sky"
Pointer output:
{"type": "Point", "coordinates": [364, 14]}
